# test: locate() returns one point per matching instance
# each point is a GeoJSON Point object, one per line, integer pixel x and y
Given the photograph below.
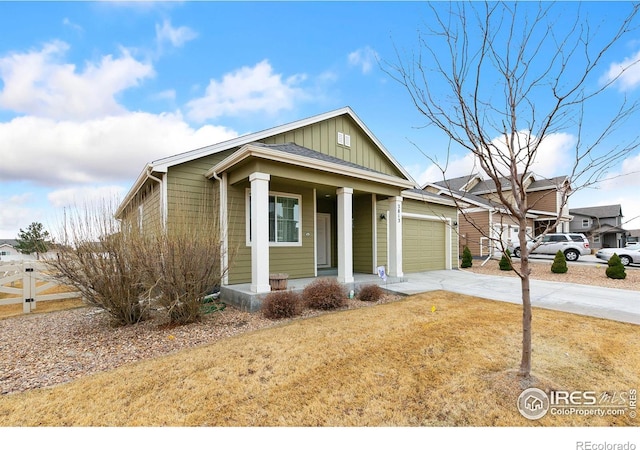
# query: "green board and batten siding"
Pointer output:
{"type": "Point", "coordinates": [362, 233]}
{"type": "Point", "coordinates": [189, 191]}
{"type": "Point", "coordinates": [322, 137]}
{"type": "Point", "coordinates": [297, 261]}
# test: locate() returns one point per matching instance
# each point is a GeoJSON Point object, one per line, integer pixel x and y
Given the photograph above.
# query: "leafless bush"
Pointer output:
{"type": "Point", "coordinates": [370, 293]}
{"type": "Point", "coordinates": [98, 259]}
{"type": "Point", "coordinates": [182, 263]}
{"type": "Point", "coordinates": [325, 293]}
{"type": "Point", "coordinates": [124, 268]}
{"type": "Point", "coordinates": [281, 304]}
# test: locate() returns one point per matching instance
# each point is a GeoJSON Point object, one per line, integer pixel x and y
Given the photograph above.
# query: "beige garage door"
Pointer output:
{"type": "Point", "coordinates": [423, 245]}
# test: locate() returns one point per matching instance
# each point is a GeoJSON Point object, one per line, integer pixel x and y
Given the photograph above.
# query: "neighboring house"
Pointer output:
{"type": "Point", "coordinates": [601, 224]}
{"type": "Point", "coordinates": [485, 222]}
{"type": "Point", "coordinates": [321, 192]}
{"type": "Point", "coordinates": [9, 252]}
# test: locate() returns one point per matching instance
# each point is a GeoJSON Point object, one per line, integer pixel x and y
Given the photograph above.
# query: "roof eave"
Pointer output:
{"type": "Point", "coordinates": [140, 181]}
{"type": "Point", "coordinates": [249, 150]}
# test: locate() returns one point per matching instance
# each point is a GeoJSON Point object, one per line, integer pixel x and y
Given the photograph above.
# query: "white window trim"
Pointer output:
{"type": "Point", "coordinates": [247, 215]}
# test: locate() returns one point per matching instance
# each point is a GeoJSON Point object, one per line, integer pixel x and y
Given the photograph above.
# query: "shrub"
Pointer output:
{"type": "Point", "coordinates": [281, 304]}
{"type": "Point", "coordinates": [370, 293]}
{"type": "Point", "coordinates": [616, 268]}
{"type": "Point", "coordinates": [505, 261]}
{"type": "Point", "coordinates": [182, 263]}
{"type": "Point", "coordinates": [467, 259]}
{"type": "Point", "coordinates": [559, 263]}
{"type": "Point", "coordinates": [325, 293]}
{"type": "Point", "coordinates": [100, 260]}
{"type": "Point", "coordinates": [122, 268]}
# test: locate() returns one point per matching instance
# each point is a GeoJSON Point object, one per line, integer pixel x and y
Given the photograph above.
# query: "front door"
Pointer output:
{"type": "Point", "coordinates": [323, 240]}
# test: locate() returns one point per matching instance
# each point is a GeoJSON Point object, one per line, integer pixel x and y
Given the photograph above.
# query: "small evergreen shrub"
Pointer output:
{"type": "Point", "coordinates": [281, 304]}
{"type": "Point", "coordinates": [559, 263]}
{"type": "Point", "coordinates": [370, 293]}
{"type": "Point", "coordinates": [325, 293]}
{"type": "Point", "coordinates": [467, 259]}
{"type": "Point", "coordinates": [616, 268]}
{"type": "Point", "coordinates": [505, 261]}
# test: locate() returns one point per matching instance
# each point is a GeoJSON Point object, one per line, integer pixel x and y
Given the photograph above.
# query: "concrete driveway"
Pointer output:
{"type": "Point", "coordinates": [615, 304]}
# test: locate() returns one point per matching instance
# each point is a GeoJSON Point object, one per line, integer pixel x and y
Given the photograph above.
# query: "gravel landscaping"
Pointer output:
{"type": "Point", "coordinates": [580, 273]}
{"type": "Point", "coordinates": [41, 350]}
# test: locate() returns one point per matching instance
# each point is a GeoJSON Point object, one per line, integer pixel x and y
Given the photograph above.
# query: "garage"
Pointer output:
{"type": "Point", "coordinates": [424, 245]}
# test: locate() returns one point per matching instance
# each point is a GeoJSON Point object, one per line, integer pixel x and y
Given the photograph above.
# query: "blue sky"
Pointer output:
{"type": "Point", "coordinates": [90, 91]}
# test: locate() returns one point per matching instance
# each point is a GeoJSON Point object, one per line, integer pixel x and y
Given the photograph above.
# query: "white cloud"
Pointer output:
{"type": "Point", "coordinates": [67, 22]}
{"type": "Point", "coordinates": [169, 94]}
{"type": "Point", "coordinates": [176, 36]}
{"type": "Point", "coordinates": [364, 58]}
{"type": "Point", "coordinates": [631, 165]}
{"type": "Point", "coordinates": [457, 166]}
{"type": "Point", "coordinates": [96, 151]}
{"type": "Point", "coordinates": [15, 214]}
{"type": "Point", "coordinates": [254, 89]}
{"type": "Point", "coordinates": [86, 195]}
{"type": "Point", "coordinates": [624, 176]}
{"type": "Point", "coordinates": [628, 71]}
{"type": "Point", "coordinates": [39, 83]}
{"type": "Point", "coordinates": [552, 159]}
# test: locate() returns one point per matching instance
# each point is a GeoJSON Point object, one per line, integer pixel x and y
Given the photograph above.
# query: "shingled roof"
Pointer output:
{"type": "Point", "coordinates": [299, 150]}
{"type": "Point", "coordinates": [599, 212]}
{"type": "Point", "coordinates": [488, 185]}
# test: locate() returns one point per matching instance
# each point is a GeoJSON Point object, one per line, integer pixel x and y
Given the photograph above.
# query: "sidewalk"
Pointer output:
{"type": "Point", "coordinates": [615, 304]}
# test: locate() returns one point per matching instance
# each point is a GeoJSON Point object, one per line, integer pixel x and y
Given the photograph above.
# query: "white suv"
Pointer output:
{"type": "Point", "coordinates": [571, 244]}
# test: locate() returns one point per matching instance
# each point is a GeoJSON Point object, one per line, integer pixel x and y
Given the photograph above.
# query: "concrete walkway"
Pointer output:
{"type": "Point", "coordinates": [615, 304]}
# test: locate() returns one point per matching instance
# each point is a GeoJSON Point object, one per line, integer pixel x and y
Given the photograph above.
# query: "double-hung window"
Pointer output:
{"type": "Point", "coordinates": [285, 219]}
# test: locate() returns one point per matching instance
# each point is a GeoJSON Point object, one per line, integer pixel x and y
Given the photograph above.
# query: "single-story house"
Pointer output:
{"type": "Point", "coordinates": [10, 252]}
{"type": "Point", "coordinates": [321, 192]}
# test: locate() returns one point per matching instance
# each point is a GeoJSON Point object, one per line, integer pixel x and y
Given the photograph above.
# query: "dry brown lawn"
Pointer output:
{"type": "Point", "coordinates": [395, 364]}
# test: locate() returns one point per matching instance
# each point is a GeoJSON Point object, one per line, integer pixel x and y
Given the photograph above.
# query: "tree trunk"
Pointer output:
{"type": "Point", "coordinates": [525, 271]}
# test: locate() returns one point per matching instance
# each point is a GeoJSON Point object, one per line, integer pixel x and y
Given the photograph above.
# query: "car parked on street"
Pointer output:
{"type": "Point", "coordinates": [573, 245]}
{"type": "Point", "coordinates": [628, 255]}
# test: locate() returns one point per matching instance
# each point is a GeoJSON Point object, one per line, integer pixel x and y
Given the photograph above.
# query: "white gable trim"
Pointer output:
{"type": "Point", "coordinates": [307, 162]}
{"type": "Point", "coordinates": [162, 165]}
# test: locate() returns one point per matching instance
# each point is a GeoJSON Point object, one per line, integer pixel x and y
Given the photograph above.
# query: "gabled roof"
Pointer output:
{"type": "Point", "coordinates": [297, 155]}
{"type": "Point", "coordinates": [162, 165]}
{"type": "Point", "coordinates": [299, 150]}
{"type": "Point", "coordinates": [488, 186]}
{"type": "Point", "coordinates": [10, 242]}
{"type": "Point", "coordinates": [598, 211]}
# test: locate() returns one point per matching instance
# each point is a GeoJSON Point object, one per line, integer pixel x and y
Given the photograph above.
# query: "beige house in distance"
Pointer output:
{"type": "Point", "coordinates": [306, 198]}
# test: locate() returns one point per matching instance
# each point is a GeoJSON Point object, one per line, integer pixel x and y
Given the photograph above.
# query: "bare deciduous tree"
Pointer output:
{"type": "Point", "coordinates": [501, 79]}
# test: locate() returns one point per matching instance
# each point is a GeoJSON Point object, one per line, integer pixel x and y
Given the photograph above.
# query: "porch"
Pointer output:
{"type": "Point", "coordinates": [242, 296]}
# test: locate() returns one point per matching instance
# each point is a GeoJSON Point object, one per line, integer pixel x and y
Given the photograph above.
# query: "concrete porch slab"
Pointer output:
{"type": "Point", "coordinates": [240, 295]}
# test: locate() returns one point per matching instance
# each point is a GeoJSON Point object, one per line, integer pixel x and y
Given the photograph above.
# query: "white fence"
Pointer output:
{"type": "Point", "coordinates": [33, 280]}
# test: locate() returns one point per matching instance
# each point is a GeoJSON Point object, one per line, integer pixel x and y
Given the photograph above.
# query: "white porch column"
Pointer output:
{"type": "Point", "coordinates": [259, 232]}
{"type": "Point", "coordinates": [345, 235]}
{"type": "Point", "coordinates": [395, 236]}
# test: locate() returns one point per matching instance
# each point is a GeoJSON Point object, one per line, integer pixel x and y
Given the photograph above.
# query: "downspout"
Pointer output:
{"type": "Point", "coordinates": [490, 241]}
{"type": "Point", "coordinates": [224, 257]}
{"type": "Point", "coordinates": [162, 197]}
